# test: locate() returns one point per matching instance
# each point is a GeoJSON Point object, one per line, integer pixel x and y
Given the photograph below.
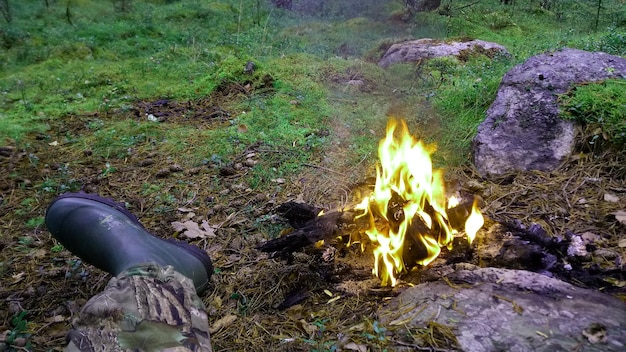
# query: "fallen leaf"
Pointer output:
{"type": "Point", "coordinates": [622, 243]}
{"type": "Point", "coordinates": [620, 215]}
{"type": "Point", "coordinates": [590, 237]}
{"type": "Point", "coordinates": [354, 347]}
{"type": "Point", "coordinates": [56, 319]}
{"type": "Point", "coordinates": [310, 329]}
{"type": "Point", "coordinates": [611, 198]}
{"type": "Point", "coordinates": [191, 229]}
{"type": "Point", "coordinates": [222, 323]}
{"type": "Point", "coordinates": [39, 253]}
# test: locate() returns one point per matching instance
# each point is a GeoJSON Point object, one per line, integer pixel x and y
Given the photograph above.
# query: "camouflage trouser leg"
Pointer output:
{"type": "Point", "coordinates": [145, 308]}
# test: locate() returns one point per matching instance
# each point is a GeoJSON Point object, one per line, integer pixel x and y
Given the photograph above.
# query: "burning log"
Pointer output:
{"type": "Point", "coordinates": [309, 228]}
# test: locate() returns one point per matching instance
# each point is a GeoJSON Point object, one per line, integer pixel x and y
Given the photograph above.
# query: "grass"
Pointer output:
{"type": "Point", "coordinates": [106, 60]}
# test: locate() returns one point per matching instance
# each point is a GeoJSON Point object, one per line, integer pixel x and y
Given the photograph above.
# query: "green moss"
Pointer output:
{"type": "Point", "coordinates": [599, 104]}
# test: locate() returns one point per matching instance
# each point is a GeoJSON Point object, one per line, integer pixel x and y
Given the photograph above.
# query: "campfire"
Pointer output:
{"type": "Point", "coordinates": [407, 211]}
{"type": "Point", "coordinates": [408, 216]}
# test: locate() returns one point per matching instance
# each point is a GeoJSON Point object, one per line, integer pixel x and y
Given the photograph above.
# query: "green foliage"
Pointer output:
{"type": "Point", "coordinates": [599, 104]}
{"type": "Point", "coordinates": [35, 222]}
{"type": "Point", "coordinates": [613, 41]}
{"type": "Point", "coordinates": [19, 328]}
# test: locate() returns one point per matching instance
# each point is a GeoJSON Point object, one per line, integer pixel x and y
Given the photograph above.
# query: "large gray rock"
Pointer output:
{"type": "Point", "coordinates": [493, 309]}
{"type": "Point", "coordinates": [416, 50]}
{"type": "Point", "coordinates": [523, 130]}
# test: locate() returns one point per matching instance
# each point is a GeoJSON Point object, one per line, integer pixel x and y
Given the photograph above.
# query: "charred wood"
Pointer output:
{"type": "Point", "coordinates": [298, 214]}
{"type": "Point", "coordinates": [320, 228]}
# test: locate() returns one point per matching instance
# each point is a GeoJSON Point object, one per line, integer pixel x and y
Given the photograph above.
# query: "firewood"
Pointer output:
{"type": "Point", "coordinates": [298, 214]}
{"type": "Point", "coordinates": [319, 228]}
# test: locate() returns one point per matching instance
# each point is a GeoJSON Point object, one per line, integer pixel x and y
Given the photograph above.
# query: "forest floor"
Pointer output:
{"type": "Point", "coordinates": [255, 302]}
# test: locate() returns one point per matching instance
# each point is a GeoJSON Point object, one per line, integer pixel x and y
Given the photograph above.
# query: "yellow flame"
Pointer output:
{"type": "Point", "coordinates": [474, 222]}
{"type": "Point", "coordinates": [408, 195]}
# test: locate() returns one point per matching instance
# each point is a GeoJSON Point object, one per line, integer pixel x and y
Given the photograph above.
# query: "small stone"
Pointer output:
{"type": "Point", "coordinates": [14, 308]}
{"type": "Point", "coordinates": [611, 198]}
{"type": "Point", "coordinates": [19, 342]}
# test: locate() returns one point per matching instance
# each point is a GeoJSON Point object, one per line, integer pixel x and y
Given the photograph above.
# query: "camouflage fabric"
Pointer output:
{"type": "Point", "coordinates": [145, 308]}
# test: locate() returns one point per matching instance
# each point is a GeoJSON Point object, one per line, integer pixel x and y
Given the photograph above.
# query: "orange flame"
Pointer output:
{"type": "Point", "coordinates": [409, 197]}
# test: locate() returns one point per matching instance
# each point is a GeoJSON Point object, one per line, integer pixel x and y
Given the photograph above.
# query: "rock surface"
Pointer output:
{"type": "Point", "coordinates": [522, 130]}
{"type": "Point", "coordinates": [415, 50]}
{"type": "Point", "coordinates": [492, 309]}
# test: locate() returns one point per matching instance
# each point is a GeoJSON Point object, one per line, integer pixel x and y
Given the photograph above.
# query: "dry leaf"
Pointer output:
{"type": "Point", "coordinates": [622, 243]}
{"type": "Point", "coordinates": [39, 253]}
{"type": "Point", "coordinates": [191, 229]}
{"type": "Point", "coordinates": [310, 329]}
{"type": "Point", "coordinates": [222, 323]}
{"type": "Point", "coordinates": [56, 319]}
{"type": "Point", "coordinates": [354, 347]}
{"type": "Point", "coordinates": [18, 277]}
{"type": "Point", "coordinates": [620, 215]}
{"type": "Point", "coordinates": [611, 198]}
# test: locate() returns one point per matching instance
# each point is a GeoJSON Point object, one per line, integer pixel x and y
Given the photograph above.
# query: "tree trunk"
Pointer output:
{"type": "Point", "coordinates": [6, 10]}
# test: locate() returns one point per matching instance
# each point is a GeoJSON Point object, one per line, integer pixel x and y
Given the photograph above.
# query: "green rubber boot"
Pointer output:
{"type": "Point", "coordinates": [108, 236]}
